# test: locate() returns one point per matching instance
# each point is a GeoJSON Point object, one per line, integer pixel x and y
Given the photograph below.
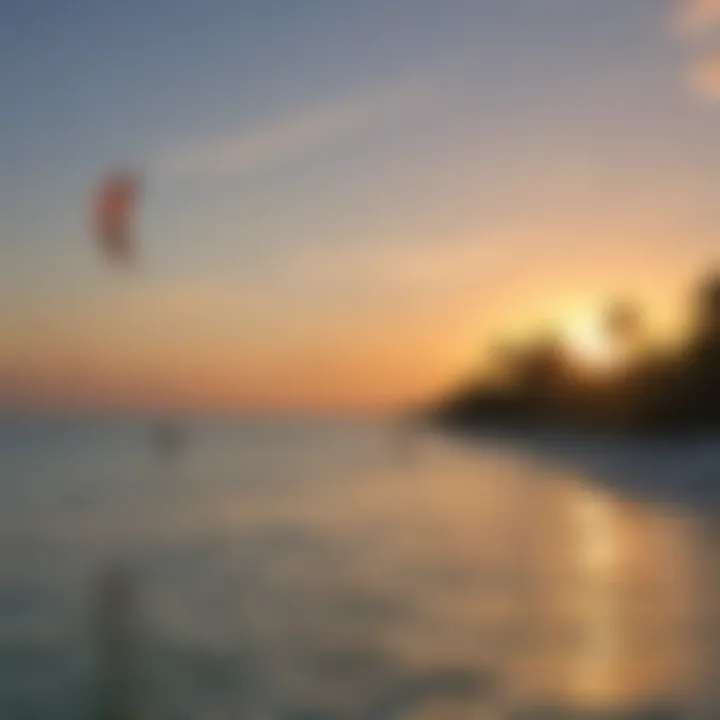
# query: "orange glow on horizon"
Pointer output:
{"type": "Point", "coordinates": [221, 348]}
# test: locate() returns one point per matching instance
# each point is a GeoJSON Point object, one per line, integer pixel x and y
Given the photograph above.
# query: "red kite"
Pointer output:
{"type": "Point", "coordinates": [114, 215]}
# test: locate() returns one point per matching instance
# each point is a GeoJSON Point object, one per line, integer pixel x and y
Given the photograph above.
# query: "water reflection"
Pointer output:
{"type": "Point", "coordinates": [317, 577]}
{"type": "Point", "coordinates": [620, 586]}
{"type": "Point", "coordinates": [470, 585]}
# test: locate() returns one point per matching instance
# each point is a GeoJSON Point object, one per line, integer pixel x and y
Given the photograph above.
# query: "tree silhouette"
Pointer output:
{"type": "Point", "coordinates": [653, 391]}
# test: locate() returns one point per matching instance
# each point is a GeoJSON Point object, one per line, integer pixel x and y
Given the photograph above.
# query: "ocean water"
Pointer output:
{"type": "Point", "coordinates": [307, 570]}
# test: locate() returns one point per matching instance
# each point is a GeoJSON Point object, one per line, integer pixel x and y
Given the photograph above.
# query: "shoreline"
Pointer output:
{"type": "Point", "coordinates": [679, 470]}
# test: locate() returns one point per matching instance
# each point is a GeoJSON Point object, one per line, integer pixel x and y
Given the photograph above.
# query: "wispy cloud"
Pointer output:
{"type": "Point", "coordinates": [704, 78]}
{"type": "Point", "coordinates": [695, 19]}
{"type": "Point", "coordinates": [253, 149]}
{"type": "Point", "coordinates": [697, 16]}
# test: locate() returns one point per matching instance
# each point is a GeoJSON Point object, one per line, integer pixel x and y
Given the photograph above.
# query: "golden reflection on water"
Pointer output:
{"type": "Point", "coordinates": [617, 596]}
{"type": "Point", "coordinates": [572, 596]}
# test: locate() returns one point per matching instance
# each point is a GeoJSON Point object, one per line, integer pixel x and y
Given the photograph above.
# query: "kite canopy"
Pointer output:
{"type": "Point", "coordinates": [114, 215]}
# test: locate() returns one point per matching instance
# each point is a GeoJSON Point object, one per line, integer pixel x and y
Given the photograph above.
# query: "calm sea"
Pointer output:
{"type": "Point", "coordinates": [305, 570]}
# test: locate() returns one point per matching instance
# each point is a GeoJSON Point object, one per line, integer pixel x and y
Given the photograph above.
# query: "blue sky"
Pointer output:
{"type": "Point", "coordinates": [419, 171]}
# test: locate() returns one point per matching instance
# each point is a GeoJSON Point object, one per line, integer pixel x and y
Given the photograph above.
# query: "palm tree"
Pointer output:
{"type": "Point", "coordinates": [623, 323]}
{"type": "Point", "coordinates": [701, 365]}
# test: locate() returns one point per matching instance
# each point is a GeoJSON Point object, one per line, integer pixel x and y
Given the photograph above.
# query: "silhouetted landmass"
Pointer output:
{"type": "Point", "coordinates": [650, 392]}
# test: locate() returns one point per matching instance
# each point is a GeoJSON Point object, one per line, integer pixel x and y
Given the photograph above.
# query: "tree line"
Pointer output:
{"type": "Point", "coordinates": [650, 390]}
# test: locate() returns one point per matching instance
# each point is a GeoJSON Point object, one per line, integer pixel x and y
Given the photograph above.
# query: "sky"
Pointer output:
{"type": "Point", "coordinates": [343, 203]}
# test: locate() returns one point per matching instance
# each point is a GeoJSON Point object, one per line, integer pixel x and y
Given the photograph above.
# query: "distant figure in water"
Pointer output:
{"type": "Point", "coordinates": [404, 441]}
{"type": "Point", "coordinates": [115, 638]}
{"type": "Point", "coordinates": [167, 439]}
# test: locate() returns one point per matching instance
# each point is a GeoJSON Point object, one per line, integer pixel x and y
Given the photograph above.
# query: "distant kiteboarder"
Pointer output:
{"type": "Point", "coordinates": [167, 439]}
{"type": "Point", "coordinates": [113, 216]}
{"type": "Point", "coordinates": [404, 436]}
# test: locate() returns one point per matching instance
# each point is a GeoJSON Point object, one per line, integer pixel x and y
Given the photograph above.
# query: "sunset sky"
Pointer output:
{"type": "Point", "coordinates": [343, 200]}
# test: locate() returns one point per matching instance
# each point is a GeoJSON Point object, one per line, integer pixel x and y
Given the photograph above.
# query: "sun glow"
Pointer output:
{"type": "Point", "coordinates": [590, 346]}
